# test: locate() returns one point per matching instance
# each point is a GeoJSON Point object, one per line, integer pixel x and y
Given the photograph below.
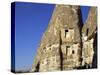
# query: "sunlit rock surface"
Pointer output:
{"type": "Point", "coordinates": [66, 44]}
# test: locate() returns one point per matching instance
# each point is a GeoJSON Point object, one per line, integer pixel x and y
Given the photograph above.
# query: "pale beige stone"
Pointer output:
{"type": "Point", "coordinates": [61, 45]}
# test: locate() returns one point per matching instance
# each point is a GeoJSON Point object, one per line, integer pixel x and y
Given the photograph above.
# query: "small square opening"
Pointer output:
{"type": "Point", "coordinates": [66, 31]}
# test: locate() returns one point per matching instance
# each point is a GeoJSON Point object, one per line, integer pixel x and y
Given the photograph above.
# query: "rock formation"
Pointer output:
{"type": "Point", "coordinates": [66, 44]}
{"type": "Point", "coordinates": [89, 32]}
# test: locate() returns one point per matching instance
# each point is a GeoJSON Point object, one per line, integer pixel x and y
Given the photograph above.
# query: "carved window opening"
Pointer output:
{"type": "Point", "coordinates": [66, 32]}
{"type": "Point", "coordinates": [87, 31]}
{"type": "Point", "coordinates": [67, 49]}
{"type": "Point", "coordinates": [44, 47]}
{"type": "Point", "coordinates": [73, 52]}
{"type": "Point", "coordinates": [69, 34]}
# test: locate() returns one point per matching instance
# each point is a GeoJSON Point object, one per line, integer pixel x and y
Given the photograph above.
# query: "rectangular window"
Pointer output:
{"type": "Point", "coordinates": [69, 34]}
{"type": "Point", "coordinates": [87, 31]}
{"type": "Point", "coordinates": [67, 49]}
{"type": "Point", "coordinates": [66, 31]}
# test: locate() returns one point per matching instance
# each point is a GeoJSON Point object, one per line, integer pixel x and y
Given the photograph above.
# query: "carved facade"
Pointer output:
{"type": "Point", "coordinates": [89, 32]}
{"type": "Point", "coordinates": [66, 44]}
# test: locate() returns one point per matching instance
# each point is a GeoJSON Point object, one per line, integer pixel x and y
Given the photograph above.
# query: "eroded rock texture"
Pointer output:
{"type": "Point", "coordinates": [89, 39]}
{"type": "Point", "coordinates": [66, 44]}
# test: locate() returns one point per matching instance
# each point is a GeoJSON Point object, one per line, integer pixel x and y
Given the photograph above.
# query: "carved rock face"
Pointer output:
{"type": "Point", "coordinates": [88, 33]}
{"type": "Point", "coordinates": [61, 45]}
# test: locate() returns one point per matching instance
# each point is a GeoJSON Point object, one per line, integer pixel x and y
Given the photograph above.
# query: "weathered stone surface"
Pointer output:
{"type": "Point", "coordinates": [89, 31]}
{"type": "Point", "coordinates": [61, 45]}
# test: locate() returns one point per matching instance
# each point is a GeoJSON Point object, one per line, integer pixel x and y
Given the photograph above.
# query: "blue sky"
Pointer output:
{"type": "Point", "coordinates": [31, 20]}
{"type": "Point", "coordinates": [84, 10]}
